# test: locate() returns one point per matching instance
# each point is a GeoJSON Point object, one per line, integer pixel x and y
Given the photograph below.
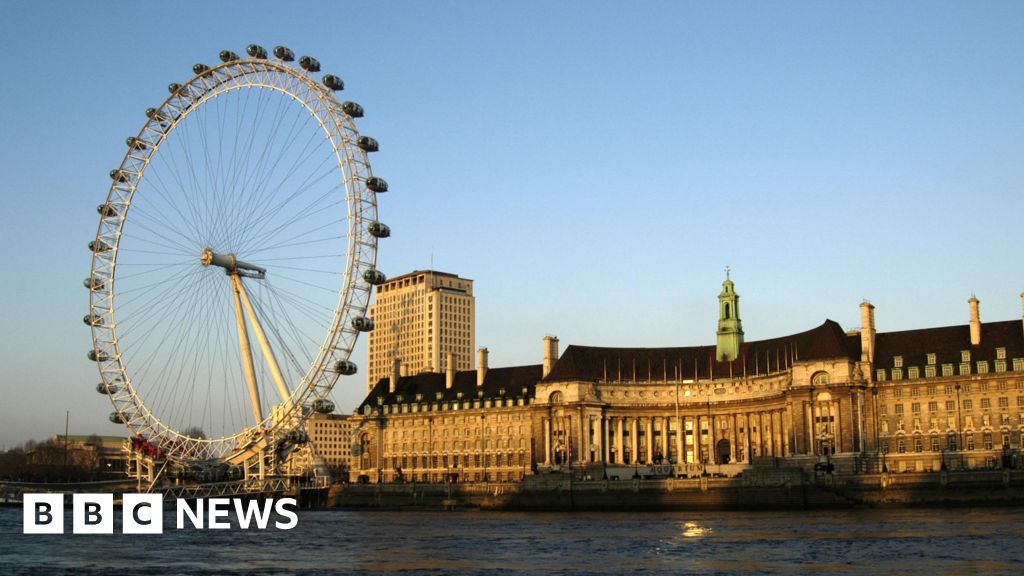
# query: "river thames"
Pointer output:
{"type": "Point", "coordinates": [958, 541]}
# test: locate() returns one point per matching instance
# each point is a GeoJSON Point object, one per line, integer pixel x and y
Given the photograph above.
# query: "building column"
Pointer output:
{"type": "Point", "coordinates": [711, 440]}
{"type": "Point", "coordinates": [619, 440]}
{"type": "Point", "coordinates": [748, 434]}
{"type": "Point", "coordinates": [665, 439]}
{"type": "Point", "coordinates": [734, 444]}
{"type": "Point", "coordinates": [649, 426]}
{"type": "Point", "coordinates": [547, 440]}
{"type": "Point", "coordinates": [634, 440]}
{"type": "Point", "coordinates": [680, 453]}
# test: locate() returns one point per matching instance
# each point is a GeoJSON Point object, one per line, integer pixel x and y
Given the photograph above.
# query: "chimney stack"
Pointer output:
{"type": "Point", "coordinates": [867, 332]}
{"type": "Point", "coordinates": [449, 373]}
{"type": "Point", "coordinates": [975, 321]}
{"type": "Point", "coordinates": [550, 354]}
{"type": "Point", "coordinates": [396, 371]}
{"type": "Point", "coordinates": [481, 366]}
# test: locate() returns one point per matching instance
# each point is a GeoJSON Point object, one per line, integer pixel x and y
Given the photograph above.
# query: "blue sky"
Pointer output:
{"type": "Point", "coordinates": [593, 166]}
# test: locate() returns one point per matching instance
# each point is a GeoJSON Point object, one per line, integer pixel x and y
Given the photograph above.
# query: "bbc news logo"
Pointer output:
{"type": "Point", "coordinates": [144, 513]}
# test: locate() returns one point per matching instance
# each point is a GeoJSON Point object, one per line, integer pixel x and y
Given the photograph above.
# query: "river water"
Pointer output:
{"type": "Point", "coordinates": [959, 541]}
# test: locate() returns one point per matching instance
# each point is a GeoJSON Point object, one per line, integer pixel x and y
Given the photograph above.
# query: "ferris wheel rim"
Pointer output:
{"type": "Point", "coordinates": [361, 207]}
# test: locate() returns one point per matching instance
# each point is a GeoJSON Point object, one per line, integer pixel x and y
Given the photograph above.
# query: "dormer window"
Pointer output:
{"type": "Point", "coordinates": [1000, 353]}
{"type": "Point", "coordinates": [931, 359]}
{"type": "Point", "coordinates": [965, 355]}
{"type": "Point", "coordinates": [897, 361]}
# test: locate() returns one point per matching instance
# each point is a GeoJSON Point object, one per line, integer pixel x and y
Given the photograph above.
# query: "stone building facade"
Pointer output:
{"type": "Point", "coordinates": [857, 401]}
{"type": "Point", "coordinates": [418, 319]}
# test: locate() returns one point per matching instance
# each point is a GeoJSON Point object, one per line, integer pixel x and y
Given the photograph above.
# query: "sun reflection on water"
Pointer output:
{"type": "Point", "coordinates": [694, 530]}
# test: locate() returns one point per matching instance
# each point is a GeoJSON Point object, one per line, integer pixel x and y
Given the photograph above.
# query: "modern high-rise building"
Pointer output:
{"type": "Point", "coordinates": [419, 318]}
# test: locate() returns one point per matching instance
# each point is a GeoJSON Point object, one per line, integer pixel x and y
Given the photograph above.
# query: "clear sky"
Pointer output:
{"type": "Point", "coordinates": [593, 166]}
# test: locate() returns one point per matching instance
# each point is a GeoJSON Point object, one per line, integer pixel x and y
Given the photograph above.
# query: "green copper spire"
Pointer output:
{"type": "Point", "coordinates": [730, 329]}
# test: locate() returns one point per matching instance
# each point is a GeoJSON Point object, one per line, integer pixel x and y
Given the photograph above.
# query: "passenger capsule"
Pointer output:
{"type": "Point", "coordinates": [352, 109]}
{"type": "Point", "coordinates": [377, 184]}
{"type": "Point", "coordinates": [154, 114]}
{"type": "Point", "coordinates": [323, 406]}
{"type": "Point", "coordinates": [368, 144]}
{"type": "Point", "coordinates": [97, 356]}
{"type": "Point", "coordinates": [135, 144]}
{"type": "Point", "coordinates": [118, 175]}
{"type": "Point", "coordinates": [116, 418]}
{"type": "Point", "coordinates": [200, 68]}
{"type": "Point", "coordinates": [298, 437]}
{"type": "Point", "coordinates": [99, 246]}
{"type": "Point", "coordinates": [173, 87]}
{"type": "Point", "coordinates": [309, 64]}
{"type": "Point", "coordinates": [106, 210]}
{"type": "Point", "coordinates": [93, 320]}
{"type": "Point", "coordinates": [256, 51]}
{"type": "Point", "coordinates": [379, 230]}
{"type": "Point", "coordinates": [362, 323]}
{"type": "Point", "coordinates": [333, 82]}
{"type": "Point", "coordinates": [228, 56]}
{"type": "Point", "coordinates": [284, 53]}
{"type": "Point", "coordinates": [104, 388]}
{"type": "Point", "coordinates": [345, 367]}
{"type": "Point", "coordinates": [374, 277]}
{"type": "Point", "coordinates": [93, 283]}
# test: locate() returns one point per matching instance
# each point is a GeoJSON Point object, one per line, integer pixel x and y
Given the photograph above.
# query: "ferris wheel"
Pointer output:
{"type": "Point", "coordinates": [234, 260]}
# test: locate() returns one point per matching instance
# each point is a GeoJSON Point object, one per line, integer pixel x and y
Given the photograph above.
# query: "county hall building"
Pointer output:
{"type": "Point", "coordinates": [860, 401]}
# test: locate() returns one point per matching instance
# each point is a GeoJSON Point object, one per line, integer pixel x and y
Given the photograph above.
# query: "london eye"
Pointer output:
{"type": "Point", "coordinates": [234, 260]}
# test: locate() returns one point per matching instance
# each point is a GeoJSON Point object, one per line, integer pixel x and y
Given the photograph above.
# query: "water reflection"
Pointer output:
{"type": "Point", "coordinates": [469, 543]}
{"type": "Point", "coordinates": [694, 530]}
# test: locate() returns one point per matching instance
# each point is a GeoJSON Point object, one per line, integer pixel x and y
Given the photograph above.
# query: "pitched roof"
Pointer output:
{"type": "Point", "coordinates": [947, 342]}
{"type": "Point", "coordinates": [698, 362]}
{"type": "Point", "coordinates": [510, 379]}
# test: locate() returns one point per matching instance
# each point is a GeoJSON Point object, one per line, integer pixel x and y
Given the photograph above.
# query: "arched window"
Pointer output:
{"type": "Point", "coordinates": [555, 398]}
{"type": "Point", "coordinates": [820, 379]}
{"type": "Point", "coordinates": [727, 314]}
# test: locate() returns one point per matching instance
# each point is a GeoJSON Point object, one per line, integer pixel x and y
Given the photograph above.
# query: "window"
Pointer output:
{"type": "Point", "coordinates": [1001, 386]}
{"type": "Point", "coordinates": [965, 355]}
{"type": "Point", "coordinates": [1000, 353]}
{"type": "Point", "coordinates": [1006, 441]}
{"type": "Point", "coordinates": [1018, 364]}
{"type": "Point", "coordinates": [880, 375]}
{"type": "Point", "coordinates": [951, 442]}
{"type": "Point", "coordinates": [948, 388]}
{"type": "Point", "coordinates": [933, 406]}
{"type": "Point", "coordinates": [965, 368]}
{"type": "Point", "coordinates": [947, 369]}
{"type": "Point", "coordinates": [899, 409]}
{"type": "Point", "coordinates": [982, 366]}
{"type": "Point", "coordinates": [986, 403]}
{"type": "Point", "coordinates": [1004, 403]}
{"type": "Point", "coordinates": [915, 391]}
{"type": "Point", "coordinates": [950, 405]}
{"type": "Point", "coordinates": [913, 373]}
{"type": "Point", "coordinates": [987, 437]}
{"type": "Point", "coordinates": [935, 444]}
{"type": "Point", "coordinates": [884, 408]}
{"type": "Point", "coordinates": [929, 371]}
{"type": "Point", "coordinates": [983, 387]}
{"type": "Point", "coordinates": [970, 441]}
{"type": "Point", "coordinates": [1000, 366]}
{"type": "Point", "coordinates": [915, 407]}
{"type": "Point", "coordinates": [931, 390]}
{"type": "Point", "coordinates": [897, 373]}
{"type": "Point", "coordinates": [898, 392]}
{"type": "Point", "coordinates": [901, 446]}
{"type": "Point", "coordinates": [897, 361]}
{"type": "Point", "coordinates": [967, 388]}
{"type": "Point", "coordinates": [931, 359]}
{"type": "Point", "coordinates": [968, 404]}
{"type": "Point", "coordinates": [1020, 401]}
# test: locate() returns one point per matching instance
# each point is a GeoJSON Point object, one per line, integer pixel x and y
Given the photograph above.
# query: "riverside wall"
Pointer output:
{"type": "Point", "coordinates": [777, 489]}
